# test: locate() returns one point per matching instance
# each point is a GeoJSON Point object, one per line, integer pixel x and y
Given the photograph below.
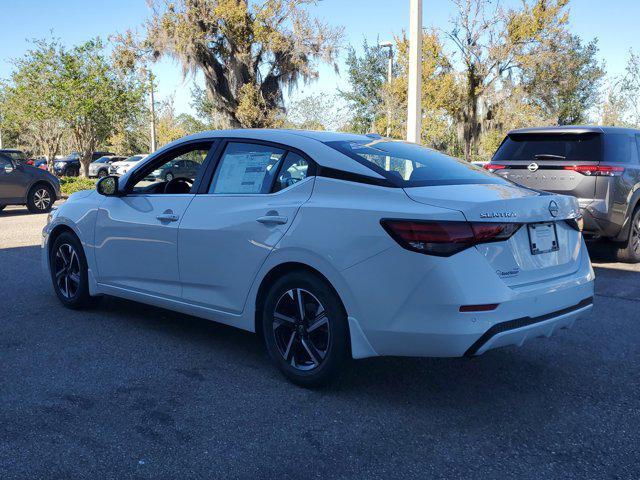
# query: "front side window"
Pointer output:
{"type": "Point", "coordinates": [170, 176]}
{"type": "Point", "coordinates": [408, 165]}
{"type": "Point", "coordinates": [246, 168]}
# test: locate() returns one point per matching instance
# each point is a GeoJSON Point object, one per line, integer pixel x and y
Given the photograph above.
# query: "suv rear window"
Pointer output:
{"type": "Point", "coordinates": [549, 146]}
{"type": "Point", "coordinates": [408, 165]}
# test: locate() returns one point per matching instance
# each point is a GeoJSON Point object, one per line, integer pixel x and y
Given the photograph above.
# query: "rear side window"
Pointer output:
{"type": "Point", "coordinates": [553, 147]}
{"type": "Point", "coordinates": [408, 165]}
{"type": "Point", "coordinates": [620, 148]}
{"type": "Point", "coordinates": [246, 168]}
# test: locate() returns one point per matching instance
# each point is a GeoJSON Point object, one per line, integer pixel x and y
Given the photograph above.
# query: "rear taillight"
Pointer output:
{"type": "Point", "coordinates": [597, 170]}
{"type": "Point", "coordinates": [446, 238]}
{"type": "Point", "coordinates": [492, 167]}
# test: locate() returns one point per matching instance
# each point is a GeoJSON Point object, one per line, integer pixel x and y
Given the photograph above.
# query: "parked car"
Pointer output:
{"type": "Point", "coordinates": [21, 184]}
{"type": "Point", "coordinates": [179, 168]}
{"type": "Point", "coordinates": [18, 156]}
{"type": "Point", "coordinates": [69, 166]}
{"type": "Point", "coordinates": [598, 165]}
{"type": "Point", "coordinates": [100, 167]}
{"type": "Point", "coordinates": [328, 245]}
{"type": "Point", "coordinates": [122, 167]}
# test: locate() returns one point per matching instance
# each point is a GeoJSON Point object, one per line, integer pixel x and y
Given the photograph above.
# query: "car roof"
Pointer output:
{"type": "Point", "coordinates": [572, 129]}
{"type": "Point", "coordinates": [311, 142]}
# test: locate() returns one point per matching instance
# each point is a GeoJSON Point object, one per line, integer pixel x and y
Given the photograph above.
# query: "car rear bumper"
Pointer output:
{"type": "Point", "coordinates": [412, 305]}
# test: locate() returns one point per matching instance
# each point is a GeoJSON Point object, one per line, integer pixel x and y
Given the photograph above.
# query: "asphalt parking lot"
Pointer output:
{"type": "Point", "coordinates": [130, 391]}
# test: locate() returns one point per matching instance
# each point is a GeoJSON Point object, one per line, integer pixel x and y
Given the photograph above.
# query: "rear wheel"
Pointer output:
{"type": "Point", "coordinates": [168, 177]}
{"type": "Point", "coordinates": [630, 251]}
{"type": "Point", "coordinates": [305, 329]}
{"type": "Point", "coordinates": [69, 272]}
{"type": "Point", "coordinates": [102, 173]}
{"type": "Point", "coordinates": [40, 199]}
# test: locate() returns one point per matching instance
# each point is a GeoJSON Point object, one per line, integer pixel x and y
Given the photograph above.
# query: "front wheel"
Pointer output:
{"type": "Point", "coordinates": [168, 177]}
{"type": "Point", "coordinates": [630, 251]}
{"type": "Point", "coordinates": [305, 329]}
{"type": "Point", "coordinates": [69, 272]}
{"type": "Point", "coordinates": [102, 173]}
{"type": "Point", "coordinates": [40, 199]}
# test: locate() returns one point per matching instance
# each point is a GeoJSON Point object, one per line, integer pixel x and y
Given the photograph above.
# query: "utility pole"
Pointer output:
{"type": "Point", "coordinates": [389, 46]}
{"type": "Point", "coordinates": [414, 107]}
{"type": "Point", "coordinates": [153, 115]}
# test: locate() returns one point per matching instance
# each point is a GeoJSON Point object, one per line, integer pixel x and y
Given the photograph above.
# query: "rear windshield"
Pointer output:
{"type": "Point", "coordinates": [553, 147]}
{"type": "Point", "coordinates": [409, 165]}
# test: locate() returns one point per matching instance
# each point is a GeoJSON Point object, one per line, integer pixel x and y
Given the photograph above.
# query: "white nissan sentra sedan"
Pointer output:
{"type": "Point", "coordinates": [329, 246]}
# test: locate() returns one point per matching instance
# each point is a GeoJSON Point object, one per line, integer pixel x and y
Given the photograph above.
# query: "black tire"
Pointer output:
{"type": "Point", "coordinates": [60, 257]}
{"type": "Point", "coordinates": [168, 177]}
{"type": "Point", "coordinates": [102, 173]}
{"type": "Point", "coordinates": [40, 198]}
{"type": "Point", "coordinates": [629, 252]}
{"type": "Point", "coordinates": [313, 355]}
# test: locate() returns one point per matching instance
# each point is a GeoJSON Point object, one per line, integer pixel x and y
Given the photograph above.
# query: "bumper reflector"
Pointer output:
{"type": "Point", "coordinates": [479, 308]}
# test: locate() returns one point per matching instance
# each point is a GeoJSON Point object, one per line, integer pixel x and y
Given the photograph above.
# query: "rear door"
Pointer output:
{"type": "Point", "coordinates": [236, 220]}
{"type": "Point", "coordinates": [544, 161]}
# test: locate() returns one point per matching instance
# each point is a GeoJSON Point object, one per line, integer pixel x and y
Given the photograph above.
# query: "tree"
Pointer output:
{"type": "Point", "coordinates": [98, 98]}
{"type": "Point", "coordinates": [33, 101]}
{"type": "Point", "coordinates": [493, 43]}
{"type": "Point", "coordinates": [630, 88]}
{"type": "Point", "coordinates": [247, 52]}
{"type": "Point", "coordinates": [564, 78]}
{"type": "Point", "coordinates": [440, 98]}
{"type": "Point", "coordinates": [366, 76]}
{"type": "Point", "coordinates": [319, 111]}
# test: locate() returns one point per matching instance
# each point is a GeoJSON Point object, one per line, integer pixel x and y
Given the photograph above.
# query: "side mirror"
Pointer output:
{"type": "Point", "coordinates": [8, 168]}
{"type": "Point", "coordinates": [108, 186]}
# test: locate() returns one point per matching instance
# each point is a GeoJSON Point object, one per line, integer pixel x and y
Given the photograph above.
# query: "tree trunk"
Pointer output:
{"type": "Point", "coordinates": [85, 160]}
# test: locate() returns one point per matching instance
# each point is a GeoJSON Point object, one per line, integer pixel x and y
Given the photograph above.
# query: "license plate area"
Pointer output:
{"type": "Point", "coordinates": [543, 238]}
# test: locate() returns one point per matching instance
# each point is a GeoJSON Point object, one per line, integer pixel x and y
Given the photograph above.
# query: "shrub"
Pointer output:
{"type": "Point", "coordinates": [70, 185]}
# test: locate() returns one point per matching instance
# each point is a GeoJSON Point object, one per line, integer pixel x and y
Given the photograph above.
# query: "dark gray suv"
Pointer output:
{"type": "Point", "coordinates": [22, 184]}
{"type": "Point", "coordinates": [598, 165]}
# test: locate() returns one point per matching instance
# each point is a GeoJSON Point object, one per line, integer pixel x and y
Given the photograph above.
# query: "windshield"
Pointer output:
{"type": "Point", "coordinates": [550, 146]}
{"type": "Point", "coordinates": [102, 160]}
{"type": "Point", "coordinates": [409, 165]}
{"type": "Point", "coordinates": [134, 158]}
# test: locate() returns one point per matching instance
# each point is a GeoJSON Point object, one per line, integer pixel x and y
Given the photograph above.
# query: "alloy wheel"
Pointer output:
{"type": "Point", "coordinates": [42, 199]}
{"type": "Point", "coordinates": [301, 328]}
{"type": "Point", "coordinates": [635, 236]}
{"type": "Point", "coordinates": [67, 269]}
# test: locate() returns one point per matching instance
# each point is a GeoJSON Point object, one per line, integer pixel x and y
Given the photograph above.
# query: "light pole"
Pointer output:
{"type": "Point", "coordinates": [414, 110]}
{"type": "Point", "coordinates": [389, 46]}
{"type": "Point", "coordinates": [153, 115]}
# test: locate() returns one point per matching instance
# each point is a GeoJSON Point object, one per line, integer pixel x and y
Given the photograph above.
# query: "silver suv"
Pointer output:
{"type": "Point", "coordinates": [598, 165]}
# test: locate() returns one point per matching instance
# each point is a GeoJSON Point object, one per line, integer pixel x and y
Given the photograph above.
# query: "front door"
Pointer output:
{"type": "Point", "coordinates": [228, 232]}
{"type": "Point", "coordinates": [136, 234]}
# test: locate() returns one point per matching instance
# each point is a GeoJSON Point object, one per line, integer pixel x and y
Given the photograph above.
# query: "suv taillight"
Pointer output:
{"type": "Point", "coordinates": [444, 238]}
{"type": "Point", "coordinates": [597, 170]}
{"type": "Point", "coordinates": [492, 167]}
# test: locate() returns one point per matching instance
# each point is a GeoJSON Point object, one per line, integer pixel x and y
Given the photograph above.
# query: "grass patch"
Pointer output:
{"type": "Point", "coordinates": [70, 185]}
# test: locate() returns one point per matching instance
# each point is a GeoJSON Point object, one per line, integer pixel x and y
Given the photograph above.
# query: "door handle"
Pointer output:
{"type": "Point", "coordinates": [272, 220]}
{"type": "Point", "coordinates": [168, 217]}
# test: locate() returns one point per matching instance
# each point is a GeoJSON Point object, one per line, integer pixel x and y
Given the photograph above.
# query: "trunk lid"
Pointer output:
{"type": "Point", "coordinates": [513, 260]}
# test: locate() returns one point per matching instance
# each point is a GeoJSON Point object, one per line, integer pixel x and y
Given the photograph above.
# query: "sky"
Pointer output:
{"type": "Point", "coordinates": [612, 22]}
